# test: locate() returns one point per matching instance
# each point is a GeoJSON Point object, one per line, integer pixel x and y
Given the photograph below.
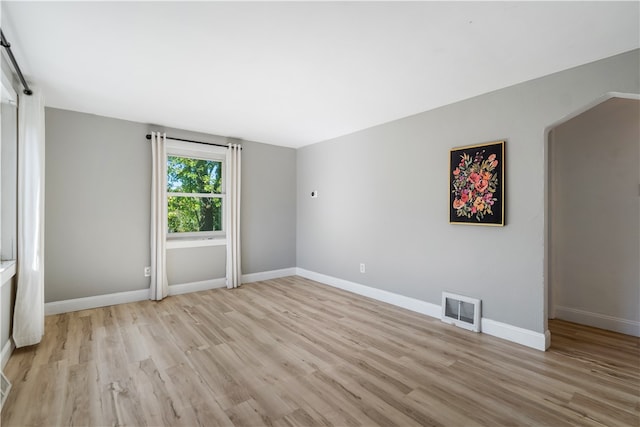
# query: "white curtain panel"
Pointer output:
{"type": "Point", "coordinates": [159, 282]}
{"type": "Point", "coordinates": [234, 273]}
{"type": "Point", "coordinates": [28, 317]}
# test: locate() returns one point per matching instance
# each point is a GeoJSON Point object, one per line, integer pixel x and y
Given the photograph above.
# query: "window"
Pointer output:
{"type": "Point", "coordinates": [195, 190]}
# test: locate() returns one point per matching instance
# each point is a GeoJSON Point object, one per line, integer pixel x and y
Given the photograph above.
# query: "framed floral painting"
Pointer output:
{"type": "Point", "coordinates": [476, 175]}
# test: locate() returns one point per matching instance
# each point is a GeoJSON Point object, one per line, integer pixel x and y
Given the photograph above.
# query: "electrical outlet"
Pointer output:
{"type": "Point", "coordinates": [362, 268]}
{"type": "Point", "coordinates": [147, 272]}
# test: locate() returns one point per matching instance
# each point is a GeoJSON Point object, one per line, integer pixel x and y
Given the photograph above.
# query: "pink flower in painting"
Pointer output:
{"type": "Point", "coordinates": [482, 185]}
{"type": "Point", "coordinates": [474, 178]}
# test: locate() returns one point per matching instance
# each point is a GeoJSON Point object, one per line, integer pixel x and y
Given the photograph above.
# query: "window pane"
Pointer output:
{"type": "Point", "coordinates": [191, 214]}
{"type": "Point", "coordinates": [187, 175]}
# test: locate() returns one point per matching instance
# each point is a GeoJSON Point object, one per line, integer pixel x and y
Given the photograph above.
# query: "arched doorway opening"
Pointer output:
{"type": "Point", "coordinates": [593, 216]}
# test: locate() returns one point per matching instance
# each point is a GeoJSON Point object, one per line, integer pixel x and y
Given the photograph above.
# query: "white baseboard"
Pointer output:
{"type": "Point", "coordinates": [76, 304]}
{"type": "Point", "coordinates": [536, 340]}
{"type": "Point", "coordinates": [7, 349]}
{"type": "Point", "coordinates": [204, 285]}
{"type": "Point", "coordinates": [221, 282]}
{"type": "Point", "coordinates": [602, 321]}
{"type": "Point", "coordinates": [508, 332]}
{"type": "Point", "coordinates": [412, 304]}
{"type": "Point", "coordinates": [268, 275]}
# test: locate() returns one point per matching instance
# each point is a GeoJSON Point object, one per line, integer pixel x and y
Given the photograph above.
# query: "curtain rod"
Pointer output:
{"type": "Point", "coordinates": [196, 142]}
{"type": "Point", "coordinates": [7, 46]}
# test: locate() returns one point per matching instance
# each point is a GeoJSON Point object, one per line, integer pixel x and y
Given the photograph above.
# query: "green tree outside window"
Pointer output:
{"type": "Point", "coordinates": [194, 187]}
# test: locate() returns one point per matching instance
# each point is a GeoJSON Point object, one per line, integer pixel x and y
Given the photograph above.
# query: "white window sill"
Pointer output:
{"type": "Point", "coordinates": [195, 243]}
{"type": "Point", "coordinates": [7, 271]}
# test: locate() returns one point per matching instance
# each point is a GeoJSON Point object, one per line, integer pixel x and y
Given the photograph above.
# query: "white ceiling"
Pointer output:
{"type": "Point", "coordinates": [295, 73]}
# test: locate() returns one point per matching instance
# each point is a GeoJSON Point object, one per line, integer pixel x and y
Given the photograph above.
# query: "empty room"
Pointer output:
{"type": "Point", "coordinates": [320, 213]}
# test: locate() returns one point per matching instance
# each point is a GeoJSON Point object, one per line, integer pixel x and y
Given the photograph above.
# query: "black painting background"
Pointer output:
{"type": "Point", "coordinates": [498, 212]}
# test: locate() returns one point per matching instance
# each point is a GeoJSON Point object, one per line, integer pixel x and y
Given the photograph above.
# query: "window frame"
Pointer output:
{"type": "Point", "coordinates": [202, 152]}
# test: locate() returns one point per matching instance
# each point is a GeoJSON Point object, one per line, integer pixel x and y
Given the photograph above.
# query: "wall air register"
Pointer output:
{"type": "Point", "coordinates": [461, 311]}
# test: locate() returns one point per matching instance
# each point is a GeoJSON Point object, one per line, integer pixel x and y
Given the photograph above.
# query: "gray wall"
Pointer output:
{"type": "Point", "coordinates": [268, 212]}
{"type": "Point", "coordinates": [188, 265]}
{"type": "Point", "coordinates": [383, 196]}
{"type": "Point", "coordinates": [97, 208]}
{"type": "Point", "coordinates": [595, 235]}
{"type": "Point", "coordinates": [98, 180]}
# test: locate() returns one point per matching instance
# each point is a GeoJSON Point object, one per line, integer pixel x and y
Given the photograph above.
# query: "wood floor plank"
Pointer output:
{"type": "Point", "coordinates": [292, 352]}
{"type": "Point", "coordinates": [77, 406]}
{"type": "Point", "coordinates": [247, 414]}
{"type": "Point", "coordinates": [194, 393]}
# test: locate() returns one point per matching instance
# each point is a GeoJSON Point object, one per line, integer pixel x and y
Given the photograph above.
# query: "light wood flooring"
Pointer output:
{"type": "Point", "coordinates": [291, 352]}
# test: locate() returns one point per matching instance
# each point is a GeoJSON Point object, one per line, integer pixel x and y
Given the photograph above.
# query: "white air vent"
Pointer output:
{"type": "Point", "coordinates": [5, 386]}
{"type": "Point", "coordinates": [461, 311]}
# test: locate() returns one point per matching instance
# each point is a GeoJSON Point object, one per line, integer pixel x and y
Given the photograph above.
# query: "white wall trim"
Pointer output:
{"type": "Point", "coordinates": [409, 303]}
{"type": "Point", "coordinates": [547, 339]}
{"type": "Point", "coordinates": [7, 271]}
{"type": "Point", "coordinates": [185, 288]}
{"type": "Point", "coordinates": [268, 275]}
{"type": "Point", "coordinates": [597, 320]}
{"type": "Point", "coordinates": [195, 243]}
{"type": "Point", "coordinates": [536, 340]}
{"type": "Point", "coordinates": [66, 306]}
{"type": "Point", "coordinates": [529, 338]}
{"type": "Point", "coordinates": [7, 350]}
{"type": "Point", "coordinates": [76, 304]}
